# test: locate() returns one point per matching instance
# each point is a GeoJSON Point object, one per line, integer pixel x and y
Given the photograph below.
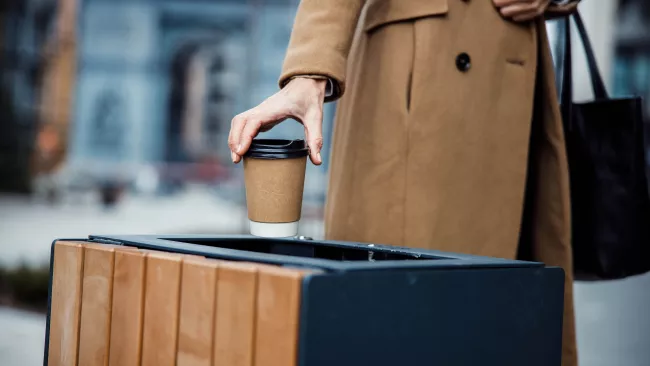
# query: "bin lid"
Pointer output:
{"type": "Point", "coordinates": [304, 252]}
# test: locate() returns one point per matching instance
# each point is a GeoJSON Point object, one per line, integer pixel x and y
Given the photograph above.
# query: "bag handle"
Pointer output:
{"type": "Point", "coordinates": [600, 92]}
{"type": "Point", "coordinates": [597, 84]}
{"type": "Point", "coordinates": [566, 90]}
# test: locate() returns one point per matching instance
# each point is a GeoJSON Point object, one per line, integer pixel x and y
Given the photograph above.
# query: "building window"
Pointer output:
{"type": "Point", "coordinates": [107, 125]}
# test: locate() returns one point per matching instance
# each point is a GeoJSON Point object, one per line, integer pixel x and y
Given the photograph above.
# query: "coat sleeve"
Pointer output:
{"type": "Point", "coordinates": [320, 41]}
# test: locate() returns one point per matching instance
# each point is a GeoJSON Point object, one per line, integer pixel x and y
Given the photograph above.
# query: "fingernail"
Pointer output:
{"type": "Point", "coordinates": [239, 148]}
{"type": "Point", "coordinates": [233, 156]}
{"type": "Point", "coordinates": [319, 157]}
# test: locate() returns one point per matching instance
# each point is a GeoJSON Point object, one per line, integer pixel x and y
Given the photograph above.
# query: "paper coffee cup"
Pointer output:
{"type": "Point", "coordinates": [274, 173]}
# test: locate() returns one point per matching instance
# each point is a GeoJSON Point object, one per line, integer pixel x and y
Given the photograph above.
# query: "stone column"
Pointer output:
{"type": "Point", "coordinates": [58, 90]}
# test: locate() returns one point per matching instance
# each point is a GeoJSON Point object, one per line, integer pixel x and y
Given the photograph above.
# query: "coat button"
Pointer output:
{"type": "Point", "coordinates": [463, 62]}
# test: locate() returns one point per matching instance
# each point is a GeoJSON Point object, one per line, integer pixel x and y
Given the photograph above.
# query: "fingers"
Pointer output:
{"type": "Point", "coordinates": [502, 3]}
{"type": "Point", "coordinates": [524, 17]}
{"type": "Point", "coordinates": [236, 127]}
{"type": "Point", "coordinates": [269, 126]}
{"type": "Point", "coordinates": [511, 11]}
{"type": "Point", "coordinates": [251, 129]}
{"type": "Point", "coordinates": [246, 126]}
{"type": "Point", "coordinates": [301, 99]}
{"type": "Point", "coordinates": [243, 131]}
{"type": "Point", "coordinates": [313, 123]}
{"type": "Point", "coordinates": [521, 10]}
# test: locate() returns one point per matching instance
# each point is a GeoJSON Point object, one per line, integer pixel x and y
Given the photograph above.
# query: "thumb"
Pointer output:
{"type": "Point", "coordinates": [313, 123]}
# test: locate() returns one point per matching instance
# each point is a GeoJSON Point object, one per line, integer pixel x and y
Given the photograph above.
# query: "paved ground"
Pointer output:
{"type": "Point", "coordinates": [28, 227]}
{"type": "Point", "coordinates": [21, 338]}
{"type": "Point", "coordinates": [613, 318]}
{"type": "Point", "coordinates": [613, 322]}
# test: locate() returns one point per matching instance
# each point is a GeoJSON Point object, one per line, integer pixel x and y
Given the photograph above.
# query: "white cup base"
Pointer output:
{"type": "Point", "coordinates": [274, 230]}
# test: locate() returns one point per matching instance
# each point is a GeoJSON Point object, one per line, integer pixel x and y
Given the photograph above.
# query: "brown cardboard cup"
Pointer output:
{"type": "Point", "coordinates": [274, 171]}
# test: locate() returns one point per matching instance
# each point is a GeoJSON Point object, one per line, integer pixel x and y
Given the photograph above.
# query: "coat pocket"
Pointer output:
{"type": "Point", "coordinates": [381, 12]}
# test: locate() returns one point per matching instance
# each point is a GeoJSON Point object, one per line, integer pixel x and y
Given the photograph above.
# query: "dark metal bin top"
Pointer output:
{"type": "Point", "coordinates": [319, 254]}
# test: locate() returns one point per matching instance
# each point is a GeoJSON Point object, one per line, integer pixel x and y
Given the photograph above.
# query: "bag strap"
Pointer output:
{"type": "Point", "coordinates": [597, 84]}
{"type": "Point", "coordinates": [566, 91]}
{"type": "Point", "coordinates": [600, 92]}
{"type": "Point", "coordinates": [559, 52]}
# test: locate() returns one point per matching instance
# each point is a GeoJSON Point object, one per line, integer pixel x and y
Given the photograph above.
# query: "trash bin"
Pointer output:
{"type": "Point", "coordinates": [365, 304]}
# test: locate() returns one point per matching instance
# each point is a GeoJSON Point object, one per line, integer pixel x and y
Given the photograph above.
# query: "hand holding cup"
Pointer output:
{"type": "Point", "coordinates": [301, 99]}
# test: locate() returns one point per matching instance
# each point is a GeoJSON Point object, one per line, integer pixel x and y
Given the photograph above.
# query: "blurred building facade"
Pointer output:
{"type": "Point", "coordinates": [631, 71]}
{"type": "Point", "coordinates": [25, 29]}
{"type": "Point", "coordinates": [159, 81]}
{"type": "Point", "coordinates": [156, 82]}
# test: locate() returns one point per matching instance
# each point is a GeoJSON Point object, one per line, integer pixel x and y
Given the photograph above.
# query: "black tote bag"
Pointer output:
{"type": "Point", "coordinates": [609, 190]}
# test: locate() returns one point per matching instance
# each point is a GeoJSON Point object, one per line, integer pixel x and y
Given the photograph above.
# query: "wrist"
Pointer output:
{"type": "Point", "coordinates": [312, 81]}
{"type": "Point", "coordinates": [316, 85]}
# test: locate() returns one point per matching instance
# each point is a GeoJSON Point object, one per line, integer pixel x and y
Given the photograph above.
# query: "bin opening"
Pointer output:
{"type": "Point", "coordinates": [307, 249]}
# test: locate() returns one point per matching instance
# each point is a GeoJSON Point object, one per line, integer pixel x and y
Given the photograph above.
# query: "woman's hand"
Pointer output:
{"type": "Point", "coordinates": [301, 99]}
{"type": "Point", "coordinates": [521, 10]}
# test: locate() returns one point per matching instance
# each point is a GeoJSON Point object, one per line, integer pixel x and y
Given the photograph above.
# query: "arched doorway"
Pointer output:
{"type": "Point", "coordinates": [200, 103]}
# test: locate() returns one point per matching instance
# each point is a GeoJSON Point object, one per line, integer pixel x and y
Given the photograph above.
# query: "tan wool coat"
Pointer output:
{"type": "Point", "coordinates": [448, 136]}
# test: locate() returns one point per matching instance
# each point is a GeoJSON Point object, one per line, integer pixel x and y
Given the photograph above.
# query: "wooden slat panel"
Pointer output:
{"type": "Point", "coordinates": [160, 325]}
{"type": "Point", "coordinates": [197, 310]}
{"type": "Point", "coordinates": [235, 314]}
{"type": "Point", "coordinates": [277, 316]}
{"type": "Point", "coordinates": [94, 331]}
{"type": "Point", "coordinates": [127, 308]}
{"type": "Point", "coordinates": [65, 308]}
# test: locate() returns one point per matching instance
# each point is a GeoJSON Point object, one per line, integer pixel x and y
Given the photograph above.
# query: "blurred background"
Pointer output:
{"type": "Point", "coordinates": [114, 116]}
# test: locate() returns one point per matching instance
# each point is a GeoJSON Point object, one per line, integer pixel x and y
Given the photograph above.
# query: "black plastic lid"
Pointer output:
{"type": "Point", "coordinates": [277, 149]}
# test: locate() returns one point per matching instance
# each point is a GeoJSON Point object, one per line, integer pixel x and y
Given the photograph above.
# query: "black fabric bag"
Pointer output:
{"type": "Point", "coordinates": [609, 190]}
